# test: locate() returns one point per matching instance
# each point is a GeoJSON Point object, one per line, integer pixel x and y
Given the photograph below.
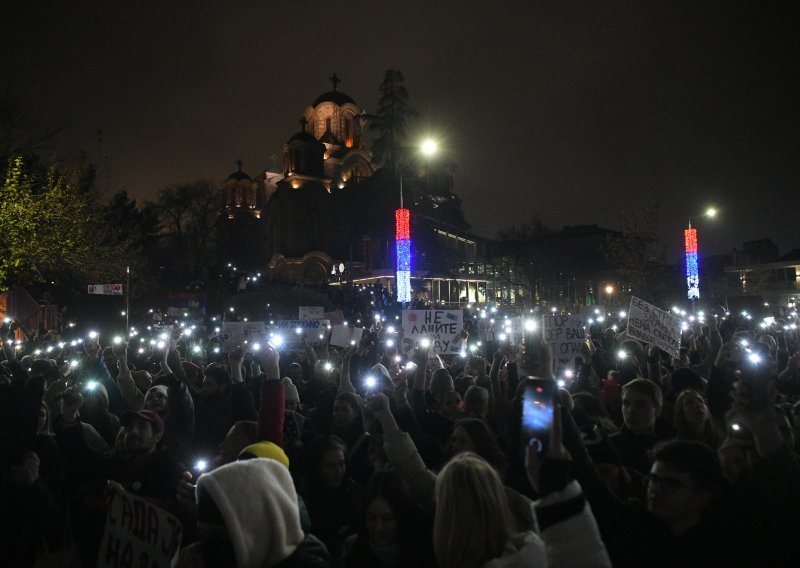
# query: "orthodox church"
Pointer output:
{"type": "Point", "coordinates": [295, 210]}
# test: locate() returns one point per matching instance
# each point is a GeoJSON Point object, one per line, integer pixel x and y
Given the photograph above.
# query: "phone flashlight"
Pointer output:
{"type": "Point", "coordinates": [389, 343]}
{"type": "Point", "coordinates": [92, 335]}
{"type": "Point", "coordinates": [328, 366]}
{"type": "Point", "coordinates": [91, 385]}
{"type": "Point", "coordinates": [201, 465]}
{"type": "Point", "coordinates": [298, 330]}
{"type": "Point", "coordinates": [73, 363]}
{"type": "Point", "coordinates": [216, 349]}
{"type": "Point", "coordinates": [197, 349]}
{"type": "Point", "coordinates": [117, 340]}
{"type": "Point", "coordinates": [276, 341]}
{"type": "Point", "coordinates": [425, 343]}
{"type": "Point", "coordinates": [621, 354]}
{"type": "Point", "coordinates": [370, 382]}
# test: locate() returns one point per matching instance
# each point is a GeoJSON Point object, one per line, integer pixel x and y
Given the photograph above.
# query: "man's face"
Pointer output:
{"type": "Point", "coordinates": [638, 411]}
{"type": "Point", "coordinates": [210, 386]}
{"type": "Point", "coordinates": [343, 414]}
{"type": "Point", "coordinates": [672, 497]}
{"type": "Point", "coordinates": [139, 436]}
{"type": "Point", "coordinates": [157, 402]}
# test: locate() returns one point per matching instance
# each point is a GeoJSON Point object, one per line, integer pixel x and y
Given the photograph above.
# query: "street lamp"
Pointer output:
{"type": "Point", "coordinates": [692, 266]}
{"type": "Point", "coordinates": [402, 237]}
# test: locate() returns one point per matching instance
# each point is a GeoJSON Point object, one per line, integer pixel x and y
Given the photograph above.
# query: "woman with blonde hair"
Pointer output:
{"type": "Point", "coordinates": [473, 520]}
{"type": "Point", "coordinates": [473, 525]}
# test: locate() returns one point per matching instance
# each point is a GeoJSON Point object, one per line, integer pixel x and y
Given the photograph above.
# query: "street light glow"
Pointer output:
{"type": "Point", "coordinates": [711, 212]}
{"type": "Point", "coordinates": [429, 147]}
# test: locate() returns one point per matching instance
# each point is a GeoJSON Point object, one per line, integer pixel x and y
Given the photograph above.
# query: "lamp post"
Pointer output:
{"type": "Point", "coordinates": [691, 257]}
{"type": "Point", "coordinates": [402, 236]}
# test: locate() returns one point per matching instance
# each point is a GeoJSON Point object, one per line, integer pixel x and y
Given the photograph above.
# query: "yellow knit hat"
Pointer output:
{"type": "Point", "coordinates": [265, 450]}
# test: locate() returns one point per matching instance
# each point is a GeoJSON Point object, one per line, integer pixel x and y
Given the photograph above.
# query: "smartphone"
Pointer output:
{"type": "Point", "coordinates": [538, 401]}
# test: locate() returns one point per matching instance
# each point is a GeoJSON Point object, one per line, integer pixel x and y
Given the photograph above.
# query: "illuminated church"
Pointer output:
{"type": "Point", "coordinates": [298, 206]}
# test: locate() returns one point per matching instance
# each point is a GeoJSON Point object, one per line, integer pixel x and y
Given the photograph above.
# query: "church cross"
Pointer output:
{"type": "Point", "coordinates": [239, 163]}
{"type": "Point", "coordinates": [335, 80]}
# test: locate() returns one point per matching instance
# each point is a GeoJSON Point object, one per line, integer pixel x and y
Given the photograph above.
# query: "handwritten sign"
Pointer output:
{"type": "Point", "coordinates": [237, 332]}
{"type": "Point", "coordinates": [311, 313]}
{"type": "Point", "coordinates": [106, 289]}
{"type": "Point", "coordinates": [566, 335]}
{"type": "Point", "coordinates": [439, 326]}
{"type": "Point", "coordinates": [138, 533]}
{"type": "Point", "coordinates": [654, 325]}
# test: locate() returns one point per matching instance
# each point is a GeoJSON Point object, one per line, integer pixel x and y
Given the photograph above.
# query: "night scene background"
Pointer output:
{"type": "Point", "coordinates": [568, 113]}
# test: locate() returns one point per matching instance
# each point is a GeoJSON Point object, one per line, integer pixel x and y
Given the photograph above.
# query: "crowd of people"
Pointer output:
{"type": "Point", "coordinates": [367, 456]}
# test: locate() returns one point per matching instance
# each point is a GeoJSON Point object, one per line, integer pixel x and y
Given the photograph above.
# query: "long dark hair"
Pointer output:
{"type": "Point", "coordinates": [414, 527]}
{"type": "Point", "coordinates": [485, 444]}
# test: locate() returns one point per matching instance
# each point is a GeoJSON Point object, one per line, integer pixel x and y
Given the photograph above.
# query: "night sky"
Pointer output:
{"type": "Point", "coordinates": [569, 110]}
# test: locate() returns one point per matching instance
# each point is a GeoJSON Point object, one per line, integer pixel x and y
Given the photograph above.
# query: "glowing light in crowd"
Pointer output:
{"type": "Point", "coordinates": [370, 382]}
{"type": "Point", "coordinates": [403, 251]}
{"type": "Point", "coordinates": [91, 385]}
{"type": "Point", "coordinates": [692, 270]}
{"type": "Point", "coordinates": [201, 465]}
{"type": "Point", "coordinates": [425, 343]}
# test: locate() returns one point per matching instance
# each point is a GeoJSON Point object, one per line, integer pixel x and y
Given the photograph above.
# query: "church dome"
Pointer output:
{"type": "Point", "coordinates": [336, 97]}
{"type": "Point", "coordinates": [304, 137]}
{"type": "Point", "coordinates": [239, 176]}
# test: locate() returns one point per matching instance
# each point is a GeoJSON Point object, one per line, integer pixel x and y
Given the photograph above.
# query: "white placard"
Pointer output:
{"type": "Point", "coordinates": [138, 533]}
{"type": "Point", "coordinates": [565, 335]}
{"type": "Point", "coordinates": [311, 313]}
{"type": "Point", "coordinates": [653, 325]}
{"type": "Point", "coordinates": [343, 336]}
{"type": "Point", "coordinates": [440, 326]}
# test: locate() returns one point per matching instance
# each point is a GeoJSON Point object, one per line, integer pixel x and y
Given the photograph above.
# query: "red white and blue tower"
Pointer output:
{"type": "Point", "coordinates": [403, 250]}
{"type": "Point", "coordinates": [692, 268]}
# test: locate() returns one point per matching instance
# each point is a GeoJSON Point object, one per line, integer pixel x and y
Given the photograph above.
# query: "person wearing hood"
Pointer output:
{"type": "Point", "coordinates": [248, 517]}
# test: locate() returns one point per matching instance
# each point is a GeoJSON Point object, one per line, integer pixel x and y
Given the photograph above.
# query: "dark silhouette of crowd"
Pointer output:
{"type": "Point", "coordinates": [368, 457]}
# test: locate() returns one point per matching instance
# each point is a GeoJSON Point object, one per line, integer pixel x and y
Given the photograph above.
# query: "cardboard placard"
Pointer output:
{"type": "Point", "coordinates": [342, 335]}
{"type": "Point", "coordinates": [440, 326]}
{"type": "Point", "coordinates": [237, 332]}
{"type": "Point", "coordinates": [565, 335]}
{"type": "Point", "coordinates": [138, 533]}
{"type": "Point", "coordinates": [311, 313]}
{"type": "Point", "coordinates": [653, 325]}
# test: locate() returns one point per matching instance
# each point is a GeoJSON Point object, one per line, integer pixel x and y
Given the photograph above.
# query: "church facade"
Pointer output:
{"type": "Point", "coordinates": [297, 207]}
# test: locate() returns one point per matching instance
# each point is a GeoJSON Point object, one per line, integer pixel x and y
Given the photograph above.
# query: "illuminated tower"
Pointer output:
{"type": "Point", "coordinates": [403, 250]}
{"type": "Point", "coordinates": [692, 269]}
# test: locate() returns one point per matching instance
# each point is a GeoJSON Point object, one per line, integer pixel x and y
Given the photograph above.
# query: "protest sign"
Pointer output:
{"type": "Point", "coordinates": [315, 332]}
{"type": "Point", "coordinates": [342, 335]}
{"type": "Point", "coordinates": [440, 326]}
{"type": "Point", "coordinates": [334, 317]}
{"type": "Point", "coordinates": [138, 533]}
{"type": "Point", "coordinates": [654, 325]}
{"type": "Point", "coordinates": [237, 332]}
{"type": "Point", "coordinates": [311, 313]}
{"type": "Point", "coordinates": [106, 289]}
{"type": "Point", "coordinates": [565, 335]}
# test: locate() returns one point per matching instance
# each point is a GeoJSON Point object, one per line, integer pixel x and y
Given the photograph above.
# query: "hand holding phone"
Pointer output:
{"type": "Point", "coordinates": [538, 403]}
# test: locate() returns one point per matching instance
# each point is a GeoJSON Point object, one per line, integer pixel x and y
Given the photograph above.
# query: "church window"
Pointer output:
{"type": "Point", "coordinates": [328, 123]}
